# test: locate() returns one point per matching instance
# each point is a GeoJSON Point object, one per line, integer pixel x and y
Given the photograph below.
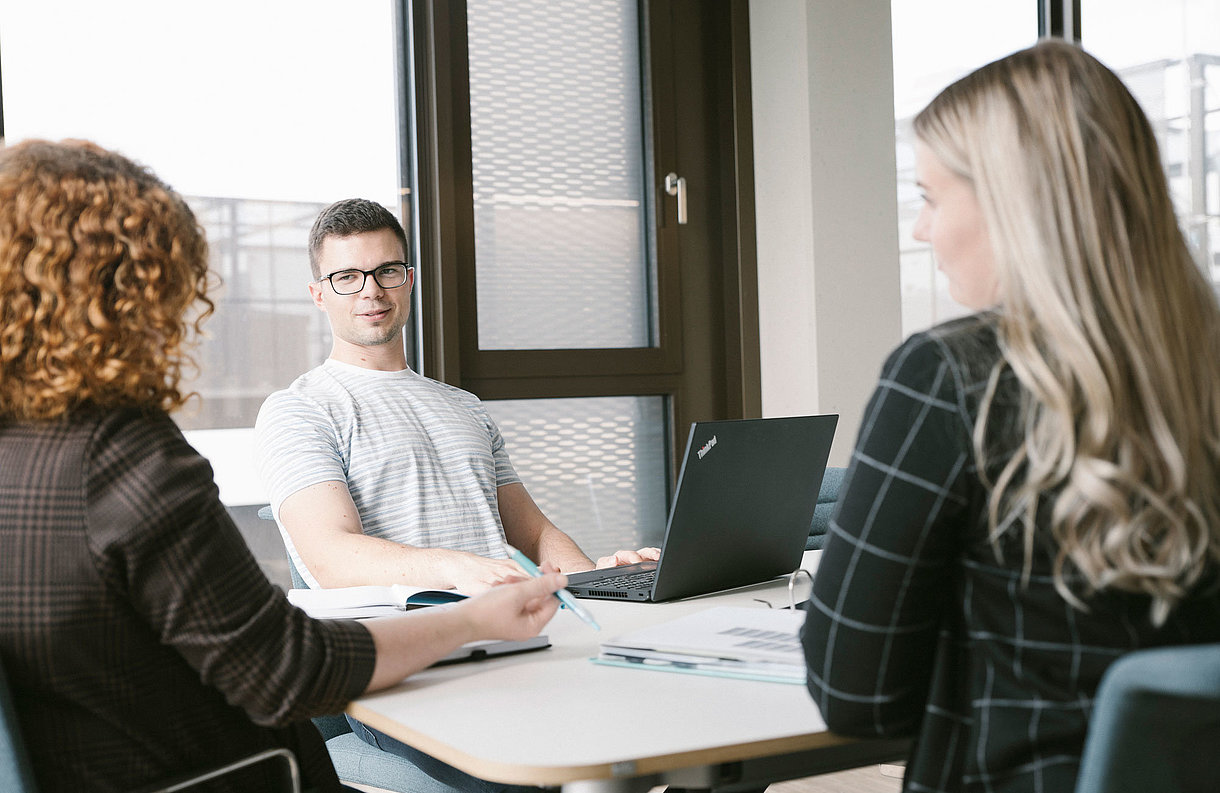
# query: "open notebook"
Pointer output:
{"type": "Point", "coordinates": [363, 602]}
{"type": "Point", "coordinates": [360, 602]}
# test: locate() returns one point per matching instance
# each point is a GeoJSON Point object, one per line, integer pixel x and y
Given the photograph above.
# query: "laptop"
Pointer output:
{"type": "Point", "coordinates": [740, 515]}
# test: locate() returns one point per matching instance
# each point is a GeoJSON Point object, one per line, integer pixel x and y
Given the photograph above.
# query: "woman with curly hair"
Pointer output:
{"type": "Point", "coordinates": [139, 636]}
{"type": "Point", "coordinates": [1035, 490]}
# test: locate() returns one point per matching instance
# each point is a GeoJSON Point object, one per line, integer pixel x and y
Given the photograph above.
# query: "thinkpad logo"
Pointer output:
{"type": "Point", "coordinates": [707, 447]}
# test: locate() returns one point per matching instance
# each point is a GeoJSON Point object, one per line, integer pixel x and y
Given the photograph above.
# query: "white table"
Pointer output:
{"type": "Point", "coordinates": [555, 718]}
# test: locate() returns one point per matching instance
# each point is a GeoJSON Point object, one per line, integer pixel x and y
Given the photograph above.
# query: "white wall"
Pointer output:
{"type": "Point", "coordinates": [829, 299]}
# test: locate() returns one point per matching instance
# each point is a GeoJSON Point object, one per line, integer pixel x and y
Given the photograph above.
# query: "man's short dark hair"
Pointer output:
{"type": "Point", "coordinates": [347, 217]}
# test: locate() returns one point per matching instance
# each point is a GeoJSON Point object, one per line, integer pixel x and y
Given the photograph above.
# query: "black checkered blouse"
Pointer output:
{"type": "Point", "coordinates": [915, 627]}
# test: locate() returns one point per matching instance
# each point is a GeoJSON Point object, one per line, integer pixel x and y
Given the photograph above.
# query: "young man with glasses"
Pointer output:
{"type": "Point", "coordinates": [378, 475]}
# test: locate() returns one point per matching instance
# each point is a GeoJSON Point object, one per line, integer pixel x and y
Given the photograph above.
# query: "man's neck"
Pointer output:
{"type": "Point", "coordinates": [381, 358]}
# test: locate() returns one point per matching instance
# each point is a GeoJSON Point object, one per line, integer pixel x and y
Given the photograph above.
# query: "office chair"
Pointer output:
{"type": "Point", "coordinates": [16, 775]}
{"type": "Point", "coordinates": [354, 760]}
{"type": "Point", "coordinates": [832, 483]}
{"type": "Point", "coordinates": [1155, 724]}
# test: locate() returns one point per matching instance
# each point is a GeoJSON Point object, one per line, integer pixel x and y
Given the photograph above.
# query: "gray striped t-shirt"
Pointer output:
{"type": "Point", "coordinates": [421, 459]}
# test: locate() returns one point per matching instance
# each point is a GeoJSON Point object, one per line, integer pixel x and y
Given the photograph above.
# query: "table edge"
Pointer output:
{"type": "Point", "coordinates": [525, 774]}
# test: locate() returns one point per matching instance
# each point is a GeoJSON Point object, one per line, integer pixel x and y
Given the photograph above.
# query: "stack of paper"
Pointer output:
{"type": "Point", "coordinates": [728, 641]}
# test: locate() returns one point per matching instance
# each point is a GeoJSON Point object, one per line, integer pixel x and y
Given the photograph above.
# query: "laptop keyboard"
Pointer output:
{"type": "Point", "coordinates": [641, 579]}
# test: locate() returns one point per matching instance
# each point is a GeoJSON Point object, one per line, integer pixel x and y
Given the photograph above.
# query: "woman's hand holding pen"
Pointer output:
{"type": "Point", "coordinates": [514, 610]}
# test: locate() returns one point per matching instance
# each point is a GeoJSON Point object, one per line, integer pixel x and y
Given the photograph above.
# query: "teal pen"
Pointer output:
{"type": "Point", "coordinates": [565, 597]}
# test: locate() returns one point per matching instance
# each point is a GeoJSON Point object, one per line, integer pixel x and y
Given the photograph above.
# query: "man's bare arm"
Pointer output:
{"type": "Point", "coordinates": [325, 528]}
{"type": "Point", "coordinates": [533, 533]}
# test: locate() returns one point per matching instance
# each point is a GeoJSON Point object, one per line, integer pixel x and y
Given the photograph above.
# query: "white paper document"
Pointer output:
{"type": "Point", "coordinates": [728, 641]}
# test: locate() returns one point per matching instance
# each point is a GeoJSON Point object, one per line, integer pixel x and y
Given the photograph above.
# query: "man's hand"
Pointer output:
{"type": "Point", "coordinates": [629, 557]}
{"type": "Point", "coordinates": [471, 574]}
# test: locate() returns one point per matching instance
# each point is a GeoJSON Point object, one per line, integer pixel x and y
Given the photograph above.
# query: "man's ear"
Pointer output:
{"type": "Point", "coordinates": [315, 292]}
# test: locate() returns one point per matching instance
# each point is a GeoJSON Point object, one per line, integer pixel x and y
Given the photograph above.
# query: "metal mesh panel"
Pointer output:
{"type": "Point", "coordinates": [557, 147]}
{"type": "Point", "coordinates": [594, 465]}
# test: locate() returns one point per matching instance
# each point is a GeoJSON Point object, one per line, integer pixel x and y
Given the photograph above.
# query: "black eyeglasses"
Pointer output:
{"type": "Point", "coordinates": [387, 276]}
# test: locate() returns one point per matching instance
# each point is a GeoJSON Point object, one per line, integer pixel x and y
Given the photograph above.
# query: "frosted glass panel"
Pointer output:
{"type": "Point", "coordinates": [557, 150]}
{"type": "Point", "coordinates": [594, 465]}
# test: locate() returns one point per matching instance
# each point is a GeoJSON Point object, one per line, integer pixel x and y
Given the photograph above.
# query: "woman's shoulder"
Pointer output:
{"type": "Point", "coordinates": [967, 345]}
{"type": "Point", "coordinates": [975, 335]}
{"type": "Point", "coordinates": [97, 428]}
{"type": "Point", "coordinates": [136, 427]}
{"type": "Point", "coordinates": [145, 440]}
{"type": "Point", "coordinates": [951, 363]}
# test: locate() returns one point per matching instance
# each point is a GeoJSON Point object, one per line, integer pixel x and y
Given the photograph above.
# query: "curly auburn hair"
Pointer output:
{"type": "Point", "coordinates": [100, 262]}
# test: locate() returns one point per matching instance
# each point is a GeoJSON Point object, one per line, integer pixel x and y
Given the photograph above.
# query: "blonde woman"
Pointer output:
{"type": "Point", "coordinates": [1036, 488]}
{"type": "Point", "coordinates": [139, 636]}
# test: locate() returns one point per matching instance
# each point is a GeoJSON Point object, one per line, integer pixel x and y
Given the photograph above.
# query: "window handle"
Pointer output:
{"type": "Point", "coordinates": [676, 186]}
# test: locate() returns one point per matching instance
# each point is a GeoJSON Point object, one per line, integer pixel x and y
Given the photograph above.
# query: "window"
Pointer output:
{"type": "Point", "coordinates": [935, 43]}
{"type": "Point", "coordinates": [1168, 54]}
{"type": "Point", "coordinates": [1173, 68]}
{"type": "Point", "coordinates": [259, 123]}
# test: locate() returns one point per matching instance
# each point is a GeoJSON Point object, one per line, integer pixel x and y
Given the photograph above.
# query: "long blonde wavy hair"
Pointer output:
{"type": "Point", "coordinates": [100, 262]}
{"type": "Point", "coordinates": [1109, 326]}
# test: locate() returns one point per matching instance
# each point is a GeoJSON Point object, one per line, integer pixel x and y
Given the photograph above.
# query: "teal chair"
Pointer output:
{"type": "Point", "coordinates": [15, 773]}
{"type": "Point", "coordinates": [832, 483]}
{"type": "Point", "coordinates": [17, 776]}
{"type": "Point", "coordinates": [1156, 724]}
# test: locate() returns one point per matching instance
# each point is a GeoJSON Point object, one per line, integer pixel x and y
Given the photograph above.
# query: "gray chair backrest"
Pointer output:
{"type": "Point", "coordinates": [1156, 724]}
{"type": "Point", "coordinates": [265, 513]}
{"type": "Point", "coordinates": [333, 725]}
{"type": "Point", "coordinates": [832, 483]}
{"type": "Point", "coordinates": [16, 775]}
{"type": "Point", "coordinates": [297, 581]}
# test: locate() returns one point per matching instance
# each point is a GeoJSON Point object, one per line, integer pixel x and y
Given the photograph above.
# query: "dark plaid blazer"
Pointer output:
{"type": "Point", "coordinates": [141, 639]}
{"type": "Point", "coordinates": [916, 628]}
